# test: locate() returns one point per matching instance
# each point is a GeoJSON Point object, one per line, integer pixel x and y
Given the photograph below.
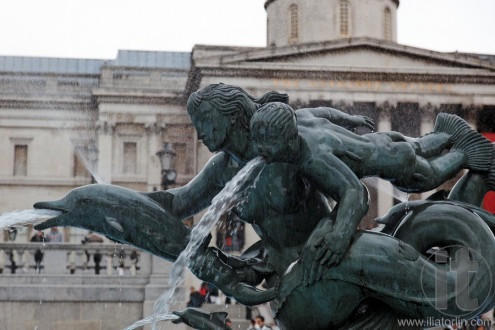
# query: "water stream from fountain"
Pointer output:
{"type": "Point", "coordinates": [26, 217]}
{"type": "Point", "coordinates": [232, 194]}
{"type": "Point", "coordinates": [81, 154]}
{"type": "Point", "coordinates": [386, 188]}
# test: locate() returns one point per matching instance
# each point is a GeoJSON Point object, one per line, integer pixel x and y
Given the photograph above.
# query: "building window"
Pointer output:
{"type": "Point", "coordinates": [130, 158]}
{"type": "Point", "coordinates": [387, 24]}
{"type": "Point", "coordinates": [294, 23]}
{"type": "Point", "coordinates": [344, 18]}
{"type": "Point", "coordinates": [20, 159]}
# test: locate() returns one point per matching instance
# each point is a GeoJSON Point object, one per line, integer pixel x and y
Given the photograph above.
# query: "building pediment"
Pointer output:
{"type": "Point", "coordinates": [360, 54]}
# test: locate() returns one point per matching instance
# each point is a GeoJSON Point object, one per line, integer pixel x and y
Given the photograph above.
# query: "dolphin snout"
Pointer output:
{"type": "Point", "coordinates": [56, 221]}
{"type": "Point", "coordinates": [51, 205]}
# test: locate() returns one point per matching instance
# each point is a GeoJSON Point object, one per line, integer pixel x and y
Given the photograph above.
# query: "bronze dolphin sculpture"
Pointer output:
{"type": "Point", "coordinates": [122, 215]}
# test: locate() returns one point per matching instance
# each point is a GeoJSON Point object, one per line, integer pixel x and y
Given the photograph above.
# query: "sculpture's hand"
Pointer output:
{"type": "Point", "coordinates": [364, 121]}
{"type": "Point", "coordinates": [201, 265]}
{"type": "Point", "coordinates": [331, 249]}
{"type": "Point", "coordinates": [203, 320]}
{"type": "Point", "coordinates": [322, 250]}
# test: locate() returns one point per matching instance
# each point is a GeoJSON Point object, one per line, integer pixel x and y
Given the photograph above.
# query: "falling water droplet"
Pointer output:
{"type": "Point", "coordinates": [407, 202]}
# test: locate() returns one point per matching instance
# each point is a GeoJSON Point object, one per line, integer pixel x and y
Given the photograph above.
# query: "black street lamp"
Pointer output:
{"type": "Point", "coordinates": [166, 154]}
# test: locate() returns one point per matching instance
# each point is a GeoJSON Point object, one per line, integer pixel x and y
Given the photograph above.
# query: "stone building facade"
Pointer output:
{"type": "Point", "coordinates": [70, 122]}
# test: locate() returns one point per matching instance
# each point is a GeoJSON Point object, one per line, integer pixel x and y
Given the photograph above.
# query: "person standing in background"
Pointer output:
{"type": "Point", "coordinates": [54, 235]}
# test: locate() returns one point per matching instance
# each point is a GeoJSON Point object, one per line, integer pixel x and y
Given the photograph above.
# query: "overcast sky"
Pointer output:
{"type": "Point", "coordinates": [99, 28]}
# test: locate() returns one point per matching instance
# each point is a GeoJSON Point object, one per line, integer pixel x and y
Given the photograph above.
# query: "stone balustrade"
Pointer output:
{"type": "Point", "coordinates": [66, 258]}
{"type": "Point", "coordinates": [68, 294]}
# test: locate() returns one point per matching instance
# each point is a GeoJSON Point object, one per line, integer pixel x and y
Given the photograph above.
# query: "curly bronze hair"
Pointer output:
{"type": "Point", "coordinates": [275, 116]}
{"type": "Point", "coordinates": [233, 101]}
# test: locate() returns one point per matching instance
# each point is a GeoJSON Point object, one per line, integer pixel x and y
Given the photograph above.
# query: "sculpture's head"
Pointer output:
{"type": "Point", "coordinates": [218, 110]}
{"type": "Point", "coordinates": [274, 132]}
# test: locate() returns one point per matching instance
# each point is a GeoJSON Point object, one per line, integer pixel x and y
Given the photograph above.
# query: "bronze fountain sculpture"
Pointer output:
{"type": "Point", "coordinates": [320, 272]}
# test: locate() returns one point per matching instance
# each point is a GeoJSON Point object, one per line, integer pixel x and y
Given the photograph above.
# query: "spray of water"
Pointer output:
{"type": "Point", "coordinates": [26, 217]}
{"type": "Point", "coordinates": [89, 165]}
{"type": "Point", "coordinates": [232, 194]}
{"type": "Point", "coordinates": [82, 155]}
{"type": "Point", "coordinates": [387, 188]}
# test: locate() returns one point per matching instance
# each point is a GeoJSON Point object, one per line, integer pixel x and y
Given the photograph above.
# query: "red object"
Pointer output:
{"type": "Point", "coordinates": [489, 201]}
{"type": "Point", "coordinates": [489, 136]}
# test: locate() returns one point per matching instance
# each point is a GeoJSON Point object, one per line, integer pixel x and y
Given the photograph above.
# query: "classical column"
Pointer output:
{"type": "Point", "coordinates": [105, 131]}
{"type": "Point", "coordinates": [472, 112]}
{"type": "Point", "coordinates": [428, 115]}
{"type": "Point", "coordinates": [385, 189]}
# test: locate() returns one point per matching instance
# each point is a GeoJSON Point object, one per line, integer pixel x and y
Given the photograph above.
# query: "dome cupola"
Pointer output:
{"type": "Point", "coordinates": [301, 21]}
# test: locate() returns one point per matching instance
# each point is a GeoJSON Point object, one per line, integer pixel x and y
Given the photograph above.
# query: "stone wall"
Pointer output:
{"type": "Point", "coordinates": [56, 299]}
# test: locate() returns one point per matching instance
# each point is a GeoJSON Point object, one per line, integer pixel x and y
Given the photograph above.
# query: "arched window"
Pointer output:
{"type": "Point", "coordinates": [344, 18]}
{"type": "Point", "coordinates": [387, 24]}
{"type": "Point", "coordinates": [294, 23]}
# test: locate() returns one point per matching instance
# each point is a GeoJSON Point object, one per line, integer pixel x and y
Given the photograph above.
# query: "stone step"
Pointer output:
{"type": "Point", "coordinates": [84, 279]}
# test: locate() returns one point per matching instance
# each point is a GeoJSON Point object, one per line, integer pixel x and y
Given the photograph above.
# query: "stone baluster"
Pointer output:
{"type": "Point", "coordinates": [14, 260]}
{"type": "Point", "coordinates": [72, 262]}
{"type": "Point", "coordinates": [385, 189]}
{"type": "Point", "coordinates": [26, 257]}
{"type": "Point", "coordinates": [109, 260]}
{"type": "Point", "coordinates": [2, 260]}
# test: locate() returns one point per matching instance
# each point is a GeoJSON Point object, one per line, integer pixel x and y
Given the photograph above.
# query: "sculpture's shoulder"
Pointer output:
{"type": "Point", "coordinates": [219, 169]}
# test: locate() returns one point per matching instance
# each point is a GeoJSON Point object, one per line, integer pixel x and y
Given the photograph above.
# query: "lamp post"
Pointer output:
{"type": "Point", "coordinates": [166, 155]}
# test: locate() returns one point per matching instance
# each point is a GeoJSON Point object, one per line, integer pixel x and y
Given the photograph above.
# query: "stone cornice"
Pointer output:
{"type": "Point", "coordinates": [268, 2]}
{"type": "Point", "coordinates": [454, 78]}
{"type": "Point", "coordinates": [138, 99]}
{"type": "Point", "coordinates": [66, 182]}
{"type": "Point", "coordinates": [50, 105]}
{"type": "Point", "coordinates": [285, 52]}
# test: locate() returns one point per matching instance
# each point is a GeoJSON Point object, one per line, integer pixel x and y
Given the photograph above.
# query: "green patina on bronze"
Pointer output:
{"type": "Point", "coordinates": [320, 272]}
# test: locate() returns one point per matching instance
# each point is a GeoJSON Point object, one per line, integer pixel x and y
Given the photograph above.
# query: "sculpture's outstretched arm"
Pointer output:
{"type": "Point", "coordinates": [249, 270]}
{"type": "Point", "coordinates": [195, 196]}
{"type": "Point", "coordinates": [207, 266]}
{"type": "Point", "coordinates": [330, 240]}
{"type": "Point", "coordinates": [336, 117]}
